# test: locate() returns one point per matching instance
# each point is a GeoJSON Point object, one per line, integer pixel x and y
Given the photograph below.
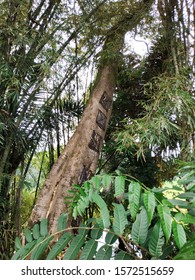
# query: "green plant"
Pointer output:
{"type": "Point", "coordinates": [147, 223]}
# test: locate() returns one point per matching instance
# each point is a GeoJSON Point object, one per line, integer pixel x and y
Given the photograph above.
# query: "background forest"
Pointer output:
{"type": "Point", "coordinates": [144, 184]}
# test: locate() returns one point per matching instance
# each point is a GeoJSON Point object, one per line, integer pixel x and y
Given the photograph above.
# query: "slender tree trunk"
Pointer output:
{"type": "Point", "coordinates": [78, 161]}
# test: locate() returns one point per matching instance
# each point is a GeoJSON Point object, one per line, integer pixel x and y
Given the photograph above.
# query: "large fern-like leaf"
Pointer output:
{"type": "Point", "coordinates": [156, 240]}
{"type": "Point", "coordinates": [166, 220]}
{"type": "Point", "coordinates": [140, 227]}
{"type": "Point", "coordinates": [74, 247]}
{"type": "Point", "coordinates": [89, 250]}
{"type": "Point", "coordinates": [149, 203]}
{"type": "Point", "coordinates": [104, 253]}
{"type": "Point", "coordinates": [120, 219]}
{"type": "Point", "coordinates": [134, 198]}
{"type": "Point", "coordinates": [103, 209]}
{"type": "Point", "coordinates": [59, 246]}
{"type": "Point", "coordinates": [179, 234]}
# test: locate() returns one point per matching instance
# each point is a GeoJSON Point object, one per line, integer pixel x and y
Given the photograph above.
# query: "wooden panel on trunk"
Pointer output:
{"type": "Point", "coordinates": [95, 141]}
{"type": "Point", "coordinates": [105, 101]}
{"type": "Point", "coordinates": [101, 120]}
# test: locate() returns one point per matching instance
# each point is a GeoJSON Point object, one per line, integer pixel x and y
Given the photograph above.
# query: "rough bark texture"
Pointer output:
{"type": "Point", "coordinates": [79, 159]}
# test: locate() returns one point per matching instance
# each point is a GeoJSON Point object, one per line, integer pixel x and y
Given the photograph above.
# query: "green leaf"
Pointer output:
{"type": "Point", "coordinates": [104, 253]}
{"type": "Point", "coordinates": [187, 252]}
{"type": "Point", "coordinates": [89, 250]}
{"type": "Point", "coordinates": [134, 198]}
{"type": "Point", "coordinates": [156, 240]}
{"type": "Point", "coordinates": [166, 220]}
{"type": "Point", "coordinates": [110, 238]}
{"type": "Point", "coordinates": [40, 247]}
{"type": "Point", "coordinates": [119, 185]}
{"type": "Point", "coordinates": [149, 203]}
{"type": "Point", "coordinates": [24, 251]}
{"type": "Point", "coordinates": [28, 235]}
{"type": "Point", "coordinates": [107, 181]}
{"type": "Point", "coordinates": [120, 219]}
{"type": "Point", "coordinates": [123, 256]}
{"type": "Point", "coordinates": [62, 221]}
{"type": "Point", "coordinates": [189, 195]}
{"type": "Point", "coordinates": [179, 202]}
{"type": "Point", "coordinates": [43, 227]}
{"type": "Point", "coordinates": [35, 231]}
{"type": "Point", "coordinates": [18, 244]}
{"type": "Point", "coordinates": [96, 182]}
{"type": "Point", "coordinates": [140, 227]}
{"type": "Point", "coordinates": [59, 246]}
{"type": "Point", "coordinates": [179, 234]}
{"type": "Point", "coordinates": [74, 247]}
{"type": "Point", "coordinates": [96, 232]}
{"type": "Point", "coordinates": [103, 209]}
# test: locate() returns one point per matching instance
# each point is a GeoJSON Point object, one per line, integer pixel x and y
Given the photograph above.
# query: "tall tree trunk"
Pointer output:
{"type": "Point", "coordinates": [78, 161]}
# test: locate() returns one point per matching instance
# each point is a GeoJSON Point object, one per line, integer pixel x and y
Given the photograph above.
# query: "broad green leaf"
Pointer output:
{"type": "Point", "coordinates": [187, 252]}
{"type": "Point", "coordinates": [96, 232]}
{"type": "Point", "coordinates": [104, 253]}
{"type": "Point", "coordinates": [40, 247]}
{"type": "Point", "coordinates": [189, 195]}
{"type": "Point", "coordinates": [120, 219]}
{"type": "Point", "coordinates": [24, 251]}
{"type": "Point", "coordinates": [110, 238]}
{"type": "Point", "coordinates": [140, 227]}
{"type": "Point", "coordinates": [119, 186]}
{"type": "Point", "coordinates": [83, 229]}
{"type": "Point", "coordinates": [156, 240]}
{"type": "Point", "coordinates": [123, 256]}
{"type": "Point", "coordinates": [188, 219]}
{"type": "Point", "coordinates": [28, 235]}
{"type": "Point", "coordinates": [179, 202]}
{"type": "Point", "coordinates": [18, 244]}
{"type": "Point", "coordinates": [179, 234]}
{"type": "Point", "coordinates": [96, 182]}
{"type": "Point", "coordinates": [107, 181]}
{"type": "Point", "coordinates": [103, 209]}
{"type": "Point", "coordinates": [74, 247]}
{"type": "Point", "coordinates": [149, 203]}
{"type": "Point", "coordinates": [89, 250]}
{"type": "Point", "coordinates": [43, 227]}
{"type": "Point", "coordinates": [62, 221]}
{"type": "Point", "coordinates": [36, 231]}
{"type": "Point", "coordinates": [59, 246]}
{"type": "Point", "coordinates": [166, 220]}
{"type": "Point", "coordinates": [134, 198]}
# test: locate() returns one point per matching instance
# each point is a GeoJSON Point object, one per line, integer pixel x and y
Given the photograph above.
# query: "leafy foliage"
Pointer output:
{"type": "Point", "coordinates": [143, 231]}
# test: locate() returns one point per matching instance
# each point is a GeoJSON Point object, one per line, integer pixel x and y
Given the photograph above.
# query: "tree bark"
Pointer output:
{"type": "Point", "coordinates": [78, 161]}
